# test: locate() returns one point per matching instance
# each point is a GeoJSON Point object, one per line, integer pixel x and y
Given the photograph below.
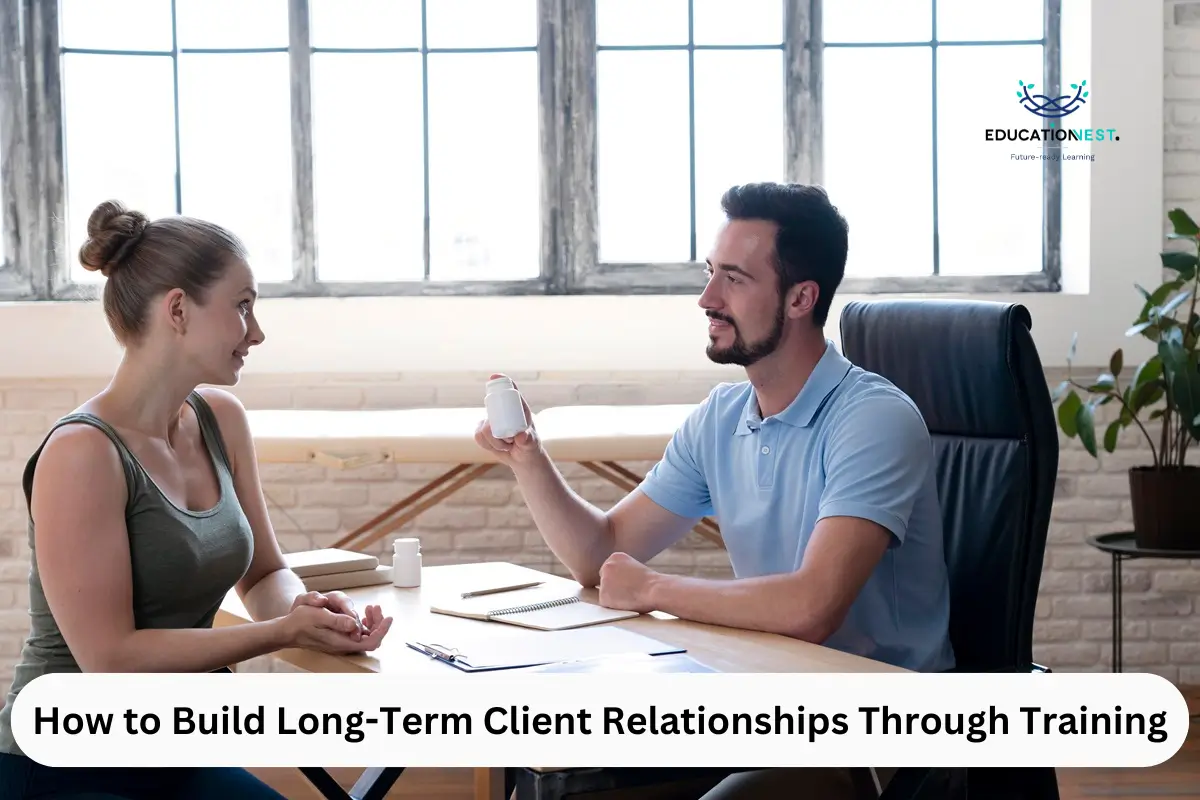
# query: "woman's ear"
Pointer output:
{"type": "Point", "coordinates": [175, 304]}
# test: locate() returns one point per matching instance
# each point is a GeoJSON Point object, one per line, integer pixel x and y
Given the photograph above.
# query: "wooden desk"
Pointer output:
{"type": "Point", "coordinates": [725, 649]}
{"type": "Point", "coordinates": [595, 437]}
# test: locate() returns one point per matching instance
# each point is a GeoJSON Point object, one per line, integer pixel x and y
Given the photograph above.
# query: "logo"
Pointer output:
{"type": "Point", "coordinates": [1049, 140]}
{"type": "Point", "coordinates": [1045, 106]}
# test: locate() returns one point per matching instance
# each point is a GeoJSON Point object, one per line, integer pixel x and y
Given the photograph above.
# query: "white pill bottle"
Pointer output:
{"type": "Point", "coordinates": [406, 563]}
{"type": "Point", "coordinates": [505, 412]}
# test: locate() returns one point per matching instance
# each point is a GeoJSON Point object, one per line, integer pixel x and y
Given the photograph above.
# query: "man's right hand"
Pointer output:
{"type": "Point", "coordinates": [521, 449]}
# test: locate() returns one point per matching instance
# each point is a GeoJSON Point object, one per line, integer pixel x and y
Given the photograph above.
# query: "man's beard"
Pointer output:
{"type": "Point", "coordinates": [744, 353]}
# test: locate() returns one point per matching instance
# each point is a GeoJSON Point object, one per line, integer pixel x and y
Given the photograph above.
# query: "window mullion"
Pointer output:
{"type": "Point", "coordinates": [304, 246]}
{"type": "Point", "coordinates": [45, 248]}
{"type": "Point", "coordinates": [802, 87]}
{"type": "Point", "coordinates": [1052, 185]}
{"type": "Point", "coordinates": [551, 111]}
{"type": "Point", "coordinates": [571, 89]}
{"type": "Point", "coordinates": [16, 190]}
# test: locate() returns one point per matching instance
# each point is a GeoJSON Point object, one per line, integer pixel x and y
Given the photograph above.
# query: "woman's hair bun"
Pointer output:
{"type": "Point", "coordinates": [113, 233]}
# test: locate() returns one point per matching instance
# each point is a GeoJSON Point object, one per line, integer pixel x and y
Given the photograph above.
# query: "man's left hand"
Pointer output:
{"type": "Point", "coordinates": [625, 584]}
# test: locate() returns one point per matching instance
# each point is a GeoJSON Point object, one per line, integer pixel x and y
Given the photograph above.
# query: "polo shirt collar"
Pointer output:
{"type": "Point", "coordinates": [800, 413]}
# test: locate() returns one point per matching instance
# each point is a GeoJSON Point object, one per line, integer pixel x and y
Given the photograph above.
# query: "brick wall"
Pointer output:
{"type": "Point", "coordinates": [311, 506]}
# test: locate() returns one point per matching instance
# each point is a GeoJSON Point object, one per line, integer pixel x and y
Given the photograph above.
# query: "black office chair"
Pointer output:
{"type": "Point", "coordinates": [974, 372]}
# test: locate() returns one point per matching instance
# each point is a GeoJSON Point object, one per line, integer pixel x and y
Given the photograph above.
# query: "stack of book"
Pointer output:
{"type": "Point", "coordinates": [330, 569]}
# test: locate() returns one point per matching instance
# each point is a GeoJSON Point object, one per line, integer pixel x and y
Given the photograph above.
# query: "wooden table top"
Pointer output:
{"type": "Point", "coordinates": [724, 649]}
{"type": "Point", "coordinates": [447, 435]}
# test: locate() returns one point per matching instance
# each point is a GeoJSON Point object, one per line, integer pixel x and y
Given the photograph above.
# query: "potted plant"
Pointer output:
{"type": "Point", "coordinates": [1161, 398]}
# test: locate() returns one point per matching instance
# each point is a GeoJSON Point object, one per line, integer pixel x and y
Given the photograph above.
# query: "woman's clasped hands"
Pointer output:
{"type": "Point", "coordinates": [330, 623]}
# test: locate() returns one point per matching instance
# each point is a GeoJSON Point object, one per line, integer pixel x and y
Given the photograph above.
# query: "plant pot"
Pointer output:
{"type": "Point", "coordinates": [1165, 507]}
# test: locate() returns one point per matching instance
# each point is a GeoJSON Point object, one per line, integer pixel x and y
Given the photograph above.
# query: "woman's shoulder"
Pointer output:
{"type": "Point", "coordinates": [79, 456]}
{"type": "Point", "coordinates": [228, 416]}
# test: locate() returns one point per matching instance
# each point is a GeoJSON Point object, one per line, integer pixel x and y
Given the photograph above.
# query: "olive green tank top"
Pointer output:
{"type": "Point", "coordinates": [183, 562]}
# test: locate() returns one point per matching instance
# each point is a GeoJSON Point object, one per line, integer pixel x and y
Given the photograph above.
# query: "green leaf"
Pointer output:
{"type": "Point", "coordinates": [1183, 263]}
{"type": "Point", "coordinates": [1117, 362]}
{"type": "Point", "coordinates": [1104, 383]}
{"type": "Point", "coordinates": [1110, 436]}
{"type": "Point", "coordinates": [1085, 423]}
{"type": "Point", "coordinates": [1148, 370]}
{"type": "Point", "coordinates": [1185, 389]}
{"type": "Point", "coordinates": [1074, 85]}
{"type": "Point", "coordinates": [1085, 94]}
{"type": "Point", "coordinates": [1066, 413]}
{"type": "Point", "coordinates": [1163, 292]}
{"type": "Point", "coordinates": [1170, 350]}
{"type": "Point", "coordinates": [1176, 301]}
{"type": "Point", "coordinates": [1147, 395]}
{"type": "Point", "coordinates": [1184, 225]}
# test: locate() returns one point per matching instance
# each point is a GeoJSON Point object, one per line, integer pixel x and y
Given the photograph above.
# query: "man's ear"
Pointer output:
{"type": "Point", "coordinates": [802, 299]}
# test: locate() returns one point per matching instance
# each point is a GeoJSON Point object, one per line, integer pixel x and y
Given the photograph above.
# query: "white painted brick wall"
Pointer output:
{"type": "Point", "coordinates": [312, 506]}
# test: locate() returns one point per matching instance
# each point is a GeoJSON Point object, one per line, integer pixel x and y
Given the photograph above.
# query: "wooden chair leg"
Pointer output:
{"type": "Point", "coordinates": [489, 784]}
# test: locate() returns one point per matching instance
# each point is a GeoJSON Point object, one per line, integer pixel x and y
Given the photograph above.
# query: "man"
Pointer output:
{"type": "Point", "coordinates": [820, 474]}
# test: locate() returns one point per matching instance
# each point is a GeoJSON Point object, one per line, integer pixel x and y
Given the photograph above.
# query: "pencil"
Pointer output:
{"type": "Point", "coordinates": [481, 592]}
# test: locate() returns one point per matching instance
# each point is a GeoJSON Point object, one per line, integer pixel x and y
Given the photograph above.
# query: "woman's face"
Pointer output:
{"type": "Point", "coordinates": [222, 331]}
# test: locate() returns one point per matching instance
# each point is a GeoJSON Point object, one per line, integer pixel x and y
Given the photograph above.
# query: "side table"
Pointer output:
{"type": "Point", "coordinates": [1123, 547]}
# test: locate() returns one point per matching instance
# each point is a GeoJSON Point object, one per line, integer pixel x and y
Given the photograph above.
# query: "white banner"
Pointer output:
{"type": "Point", "coordinates": [499, 719]}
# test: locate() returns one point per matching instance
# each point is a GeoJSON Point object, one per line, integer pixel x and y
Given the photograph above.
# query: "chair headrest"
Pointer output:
{"type": "Point", "coordinates": [959, 360]}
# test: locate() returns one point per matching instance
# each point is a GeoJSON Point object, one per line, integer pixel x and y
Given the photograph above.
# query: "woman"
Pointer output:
{"type": "Point", "coordinates": [145, 505]}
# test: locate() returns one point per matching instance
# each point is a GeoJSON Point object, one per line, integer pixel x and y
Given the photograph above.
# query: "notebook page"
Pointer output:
{"type": "Point", "coordinates": [486, 604]}
{"type": "Point", "coordinates": [563, 617]}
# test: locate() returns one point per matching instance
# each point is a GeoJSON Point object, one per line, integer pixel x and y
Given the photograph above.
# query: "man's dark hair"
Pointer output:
{"type": "Point", "coordinates": [812, 239]}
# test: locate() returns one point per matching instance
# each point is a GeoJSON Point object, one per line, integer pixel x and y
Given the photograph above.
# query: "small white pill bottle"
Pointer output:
{"type": "Point", "coordinates": [505, 412]}
{"type": "Point", "coordinates": [406, 563]}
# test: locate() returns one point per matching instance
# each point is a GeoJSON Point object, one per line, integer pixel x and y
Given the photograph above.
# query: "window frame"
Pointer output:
{"type": "Point", "coordinates": [35, 264]}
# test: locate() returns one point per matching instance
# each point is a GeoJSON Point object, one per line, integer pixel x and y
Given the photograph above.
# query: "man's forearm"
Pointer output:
{"type": "Point", "coordinates": [576, 532]}
{"type": "Point", "coordinates": [772, 604]}
{"type": "Point", "coordinates": [273, 595]}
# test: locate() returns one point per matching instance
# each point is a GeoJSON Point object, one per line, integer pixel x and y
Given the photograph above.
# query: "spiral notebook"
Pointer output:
{"type": "Point", "coordinates": [542, 608]}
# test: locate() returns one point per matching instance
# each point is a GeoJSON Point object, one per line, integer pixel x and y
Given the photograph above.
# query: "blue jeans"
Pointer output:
{"type": "Point", "coordinates": [22, 778]}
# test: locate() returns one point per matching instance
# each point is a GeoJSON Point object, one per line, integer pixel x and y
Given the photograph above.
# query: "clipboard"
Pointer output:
{"type": "Point", "coordinates": [540, 649]}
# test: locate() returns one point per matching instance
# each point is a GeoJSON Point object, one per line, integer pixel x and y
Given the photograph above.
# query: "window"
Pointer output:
{"type": "Point", "coordinates": [12, 282]}
{"type": "Point", "coordinates": [526, 146]}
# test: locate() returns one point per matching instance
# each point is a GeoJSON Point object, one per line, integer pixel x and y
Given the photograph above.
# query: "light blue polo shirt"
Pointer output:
{"type": "Point", "coordinates": [850, 444]}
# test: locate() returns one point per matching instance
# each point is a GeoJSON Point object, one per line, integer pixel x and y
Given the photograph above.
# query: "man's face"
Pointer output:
{"type": "Point", "coordinates": [742, 300]}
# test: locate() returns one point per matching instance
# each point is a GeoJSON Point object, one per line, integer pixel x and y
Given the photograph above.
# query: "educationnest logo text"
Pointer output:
{"type": "Point", "coordinates": [1052, 110]}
